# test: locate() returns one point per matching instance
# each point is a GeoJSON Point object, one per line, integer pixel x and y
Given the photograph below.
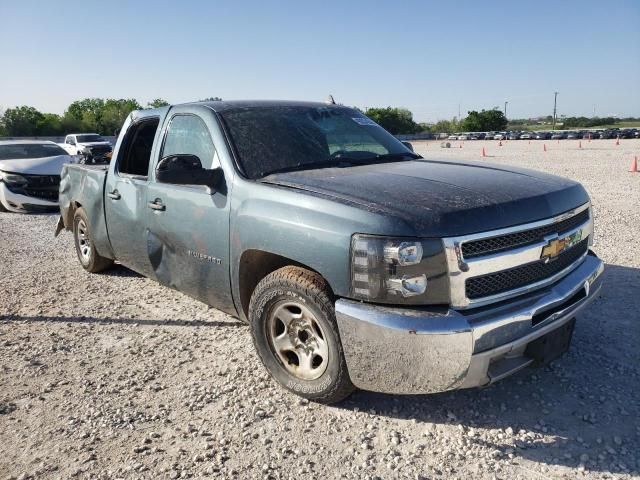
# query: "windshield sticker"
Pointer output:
{"type": "Point", "coordinates": [364, 121]}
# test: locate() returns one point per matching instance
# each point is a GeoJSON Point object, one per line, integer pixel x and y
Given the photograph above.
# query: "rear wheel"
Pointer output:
{"type": "Point", "coordinates": [295, 333]}
{"type": "Point", "coordinates": [2, 207]}
{"type": "Point", "coordinates": [89, 258]}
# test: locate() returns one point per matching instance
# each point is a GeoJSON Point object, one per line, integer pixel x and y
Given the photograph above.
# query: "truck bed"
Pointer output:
{"type": "Point", "coordinates": [83, 186]}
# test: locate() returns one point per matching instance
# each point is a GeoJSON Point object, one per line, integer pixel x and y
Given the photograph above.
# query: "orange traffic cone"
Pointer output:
{"type": "Point", "coordinates": [580, 144]}
{"type": "Point", "coordinates": [634, 165]}
{"type": "Point", "coordinates": [589, 138]}
{"type": "Point", "coordinates": [484, 154]}
{"type": "Point", "coordinates": [618, 140]}
{"type": "Point", "coordinates": [545, 147]}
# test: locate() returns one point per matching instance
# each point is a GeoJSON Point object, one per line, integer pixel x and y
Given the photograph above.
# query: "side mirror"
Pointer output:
{"type": "Point", "coordinates": [408, 145]}
{"type": "Point", "coordinates": [187, 169]}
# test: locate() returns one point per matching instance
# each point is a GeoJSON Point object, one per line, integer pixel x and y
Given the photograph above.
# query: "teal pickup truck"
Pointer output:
{"type": "Point", "coordinates": [356, 262]}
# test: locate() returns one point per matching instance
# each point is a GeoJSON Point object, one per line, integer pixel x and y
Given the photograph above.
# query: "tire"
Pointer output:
{"type": "Point", "coordinates": [89, 258]}
{"type": "Point", "coordinates": [294, 330]}
{"type": "Point", "coordinates": [2, 207]}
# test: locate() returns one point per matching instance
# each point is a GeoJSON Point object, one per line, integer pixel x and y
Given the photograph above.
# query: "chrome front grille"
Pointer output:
{"type": "Point", "coordinates": [493, 266]}
{"type": "Point", "coordinates": [501, 243]}
{"type": "Point", "coordinates": [493, 283]}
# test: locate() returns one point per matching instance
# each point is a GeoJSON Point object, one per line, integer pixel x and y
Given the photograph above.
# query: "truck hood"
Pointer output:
{"type": "Point", "coordinates": [36, 166]}
{"type": "Point", "coordinates": [443, 198]}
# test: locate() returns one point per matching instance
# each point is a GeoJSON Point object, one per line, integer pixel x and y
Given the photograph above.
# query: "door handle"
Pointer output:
{"type": "Point", "coordinates": [157, 205]}
{"type": "Point", "coordinates": [115, 195]}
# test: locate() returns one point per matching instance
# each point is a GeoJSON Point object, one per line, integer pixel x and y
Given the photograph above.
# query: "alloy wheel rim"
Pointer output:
{"type": "Point", "coordinates": [298, 340]}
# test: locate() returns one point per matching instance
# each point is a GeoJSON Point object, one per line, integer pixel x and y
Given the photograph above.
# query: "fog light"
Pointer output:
{"type": "Point", "coordinates": [408, 286]}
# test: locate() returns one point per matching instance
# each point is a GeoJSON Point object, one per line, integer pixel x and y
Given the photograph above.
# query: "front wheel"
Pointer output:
{"type": "Point", "coordinates": [296, 336]}
{"type": "Point", "coordinates": [89, 258]}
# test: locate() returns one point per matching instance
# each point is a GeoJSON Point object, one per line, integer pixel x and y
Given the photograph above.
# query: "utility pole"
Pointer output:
{"type": "Point", "coordinates": [505, 109]}
{"type": "Point", "coordinates": [555, 102]}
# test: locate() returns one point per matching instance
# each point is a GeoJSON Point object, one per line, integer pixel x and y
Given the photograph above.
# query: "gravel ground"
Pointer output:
{"type": "Point", "coordinates": [113, 376]}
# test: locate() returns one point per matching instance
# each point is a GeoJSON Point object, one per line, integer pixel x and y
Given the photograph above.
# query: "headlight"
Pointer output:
{"type": "Point", "coordinates": [13, 179]}
{"type": "Point", "coordinates": [398, 270]}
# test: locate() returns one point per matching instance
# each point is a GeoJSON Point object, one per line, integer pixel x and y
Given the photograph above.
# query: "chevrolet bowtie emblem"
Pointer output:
{"type": "Point", "coordinates": [558, 245]}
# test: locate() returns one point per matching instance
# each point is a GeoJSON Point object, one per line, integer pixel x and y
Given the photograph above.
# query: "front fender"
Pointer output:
{"type": "Point", "coordinates": [308, 229]}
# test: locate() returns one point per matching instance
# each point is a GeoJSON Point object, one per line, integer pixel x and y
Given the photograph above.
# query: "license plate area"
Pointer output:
{"type": "Point", "coordinates": [553, 345]}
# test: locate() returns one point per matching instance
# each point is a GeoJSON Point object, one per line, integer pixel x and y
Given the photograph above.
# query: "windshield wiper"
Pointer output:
{"type": "Point", "coordinates": [344, 160]}
{"type": "Point", "coordinates": [334, 162]}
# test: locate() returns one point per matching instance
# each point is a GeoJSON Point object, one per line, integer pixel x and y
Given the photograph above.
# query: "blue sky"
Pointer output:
{"type": "Point", "coordinates": [430, 57]}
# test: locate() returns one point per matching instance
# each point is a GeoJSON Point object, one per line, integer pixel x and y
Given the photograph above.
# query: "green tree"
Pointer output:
{"type": "Point", "coordinates": [394, 120]}
{"type": "Point", "coordinates": [114, 114]}
{"type": "Point", "coordinates": [158, 102]}
{"type": "Point", "coordinates": [484, 121]}
{"type": "Point", "coordinates": [49, 125]}
{"type": "Point", "coordinates": [86, 112]}
{"type": "Point", "coordinates": [446, 126]}
{"type": "Point", "coordinates": [98, 115]}
{"type": "Point", "coordinates": [22, 121]}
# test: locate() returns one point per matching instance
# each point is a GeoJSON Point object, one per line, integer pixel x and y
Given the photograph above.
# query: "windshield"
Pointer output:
{"type": "Point", "coordinates": [89, 138]}
{"type": "Point", "coordinates": [281, 138]}
{"type": "Point", "coordinates": [16, 151]}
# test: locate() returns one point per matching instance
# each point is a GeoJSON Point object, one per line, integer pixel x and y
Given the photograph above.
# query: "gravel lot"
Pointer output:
{"type": "Point", "coordinates": [112, 376]}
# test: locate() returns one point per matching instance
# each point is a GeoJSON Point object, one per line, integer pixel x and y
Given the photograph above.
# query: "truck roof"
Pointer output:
{"type": "Point", "coordinates": [224, 105]}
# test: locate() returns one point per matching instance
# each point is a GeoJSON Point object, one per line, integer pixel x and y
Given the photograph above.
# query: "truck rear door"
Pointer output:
{"type": "Point", "coordinates": [126, 193]}
{"type": "Point", "coordinates": [188, 238]}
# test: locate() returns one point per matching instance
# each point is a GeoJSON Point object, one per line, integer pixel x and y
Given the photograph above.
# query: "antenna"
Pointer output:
{"type": "Point", "coordinates": [330, 100]}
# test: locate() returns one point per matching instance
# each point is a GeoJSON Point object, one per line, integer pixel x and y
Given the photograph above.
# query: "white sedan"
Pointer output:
{"type": "Point", "coordinates": [30, 175]}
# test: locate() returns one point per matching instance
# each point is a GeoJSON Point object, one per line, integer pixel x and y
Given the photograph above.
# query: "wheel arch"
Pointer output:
{"type": "Point", "coordinates": [256, 264]}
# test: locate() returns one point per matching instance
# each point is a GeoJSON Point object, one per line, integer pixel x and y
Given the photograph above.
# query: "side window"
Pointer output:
{"type": "Point", "coordinates": [188, 134]}
{"type": "Point", "coordinates": [70, 140]}
{"type": "Point", "coordinates": [136, 152]}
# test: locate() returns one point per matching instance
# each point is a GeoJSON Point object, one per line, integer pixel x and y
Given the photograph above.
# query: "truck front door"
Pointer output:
{"type": "Point", "coordinates": [188, 238]}
{"type": "Point", "coordinates": [126, 194]}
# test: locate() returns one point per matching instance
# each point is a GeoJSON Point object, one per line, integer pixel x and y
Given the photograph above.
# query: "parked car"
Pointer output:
{"type": "Point", "coordinates": [30, 175]}
{"type": "Point", "coordinates": [452, 137]}
{"type": "Point", "coordinates": [558, 136]}
{"type": "Point", "coordinates": [607, 134]}
{"type": "Point", "coordinates": [513, 136]}
{"type": "Point", "coordinates": [463, 136]}
{"type": "Point", "coordinates": [542, 135]}
{"type": "Point", "coordinates": [356, 262]}
{"type": "Point", "coordinates": [527, 136]}
{"type": "Point", "coordinates": [627, 133]}
{"type": "Point", "coordinates": [91, 147]}
{"type": "Point", "coordinates": [500, 136]}
{"type": "Point", "coordinates": [489, 135]}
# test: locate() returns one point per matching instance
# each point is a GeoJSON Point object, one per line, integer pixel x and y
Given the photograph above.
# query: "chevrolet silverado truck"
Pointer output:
{"type": "Point", "coordinates": [356, 262]}
{"type": "Point", "coordinates": [91, 148]}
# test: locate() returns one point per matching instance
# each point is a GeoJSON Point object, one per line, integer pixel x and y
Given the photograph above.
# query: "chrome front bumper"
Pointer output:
{"type": "Point", "coordinates": [410, 350]}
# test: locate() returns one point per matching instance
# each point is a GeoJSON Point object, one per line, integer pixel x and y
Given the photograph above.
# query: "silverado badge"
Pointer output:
{"type": "Point", "coordinates": [556, 246]}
